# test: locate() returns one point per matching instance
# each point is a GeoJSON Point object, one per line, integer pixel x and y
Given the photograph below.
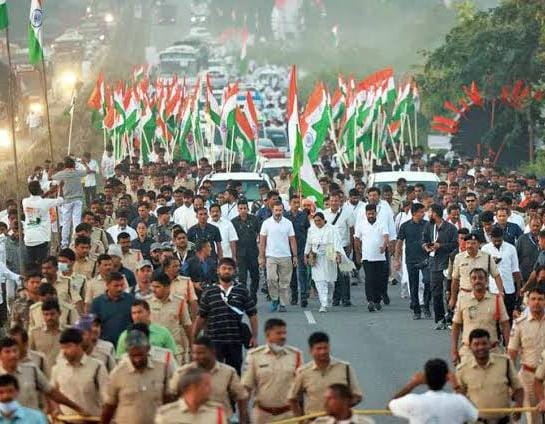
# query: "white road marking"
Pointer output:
{"type": "Point", "coordinates": [310, 317]}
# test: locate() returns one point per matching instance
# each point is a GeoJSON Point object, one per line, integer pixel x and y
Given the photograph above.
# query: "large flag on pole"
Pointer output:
{"type": "Point", "coordinates": [227, 122]}
{"type": "Point", "coordinates": [304, 179]}
{"type": "Point", "coordinates": [244, 134]}
{"type": "Point", "coordinates": [315, 122]}
{"type": "Point", "coordinates": [4, 21]}
{"type": "Point", "coordinates": [35, 32]}
{"type": "Point", "coordinates": [212, 106]}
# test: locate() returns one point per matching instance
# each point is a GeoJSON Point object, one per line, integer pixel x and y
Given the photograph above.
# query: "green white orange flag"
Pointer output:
{"type": "Point", "coordinates": [4, 21]}
{"type": "Point", "coordinates": [227, 121]}
{"type": "Point", "coordinates": [244, 136]}
{"type": "Point", "coordinates": [304, 179]}
{"type": "Point", "coordinates": [315, 122]}
{"type": "Point", "coordinates": [212, 106]}
{"type": "Point", "coordinates": [251, 115]}
{"type": "Point", "coordinates": [35, 32]}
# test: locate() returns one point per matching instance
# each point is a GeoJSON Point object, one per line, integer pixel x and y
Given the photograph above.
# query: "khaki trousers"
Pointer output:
{"type": "Point", "coordinates": [278, 279]}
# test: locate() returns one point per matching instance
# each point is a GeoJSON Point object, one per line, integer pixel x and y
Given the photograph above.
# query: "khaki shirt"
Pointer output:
{"type": "Point", "coordinates": [178, 413]}
{"type": "Point", "coordinates": [47, 342]}
{"type": "Point", "coordinates": [70, 289]}
{"type": "Point", "coordinates": [101, 355]}
{"type": "Point", "coordinates": [528, 337]}
{"type": "Point", "coordinates": [84, 383]}
{"type": "Point", "coordinates": [69, 315]}
{"type": "Point", "coordinates": [97, 248]}
{"type": "Point", "coordinates": [268, 374]}
{"type": "Point", "coordinates": [489, 386]}
{"type": "Point", "coordinates": [313, 382]}
{"type": "Point", "coordinates": [182, 286]}
{"type": "Point", "coordinates": [464, 263]}
{"type": "Point", "coordinates": [472, 314]}
{"type": "Point", "coordinates": [173, 313]}
{"type": "Point", "coordinates": [98, 235]}
{"type": "Point", "coordinates": [540, 371]}
{"type": "Point", "coordinates": [32, 382]}
{"type": "Point", "coordinates": [85, 267]}
{"type": "Point", "coordinates": [36, 358]}
{"type": "Point", "coordinates": [354, 419]}
{"type": "Point", "coordinates": [94, 288]}
{"type": "Point", "coordinates": [137, 394]}
{"type": "Point", "coordinates": [108, 222]}
{"type": "Point", "coordinates": [225, 384]}
{"type": "Point", "coordinates": [130, 260]}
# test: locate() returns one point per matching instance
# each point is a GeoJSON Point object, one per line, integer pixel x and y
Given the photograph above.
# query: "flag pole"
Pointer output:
{"type": "Point", "coordinates": [44, 81]}
{"type": "Point", "coordinates": [72, 109]}
{"type": "Point", "coordinates": [415, 128]}
{"type": "Point", "coordinates": [410, 134]}
{"type": "Point", "coordinates": [11, 114]}
{"type": "Point", "coordinates": [355, 151]}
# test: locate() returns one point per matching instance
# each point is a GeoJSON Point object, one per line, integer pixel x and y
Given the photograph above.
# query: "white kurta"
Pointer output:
{"type": "Point", "coordinates": [325, 243]}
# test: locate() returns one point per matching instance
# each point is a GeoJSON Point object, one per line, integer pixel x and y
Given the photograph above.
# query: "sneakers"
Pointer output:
{"type": "Point", "coordinates": [427, 315]}
{"type": "Point", "coordinates": [378, 306]}
{"type": "Point", "coordinates": [274, 306]}
{"type": "Point", "coordinates": [441, 326]}
{"type": "Point", "coordinates": [386, 299]}
{"type": "Point", "coordinates": [371, 307]}
{"type": "Point", "coordinates": [322, 309]}
{"type": "Point", "coordinates": [417, 316]}
{"type": "Point", "coordinates": [282, 308]}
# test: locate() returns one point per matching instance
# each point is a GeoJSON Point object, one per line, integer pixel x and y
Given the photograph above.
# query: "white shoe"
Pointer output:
{"type": "Point", "coordinates": [322, 309]}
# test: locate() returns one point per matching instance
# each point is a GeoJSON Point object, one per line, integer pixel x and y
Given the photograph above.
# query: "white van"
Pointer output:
{"type": "Point", "coordinates": [381, 179]}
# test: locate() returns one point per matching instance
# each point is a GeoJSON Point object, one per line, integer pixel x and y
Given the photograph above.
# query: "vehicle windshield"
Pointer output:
{"type": "Point", "coordinates": [278, 137]}
{"type": "Point", "coordinates": [431, 186]}
{"type": "Point", "coordinates": [250, 188]}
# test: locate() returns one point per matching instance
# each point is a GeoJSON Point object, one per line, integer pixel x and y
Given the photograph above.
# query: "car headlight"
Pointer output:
{"type": "Point", "coordinates": [193, 19]}
{"type": "Point", "coordinates": [36, 107]}
{"type": "Point", "coordinates": [108, 18]}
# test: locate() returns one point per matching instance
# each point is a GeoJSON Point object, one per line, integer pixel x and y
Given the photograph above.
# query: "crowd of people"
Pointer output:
{"type": "Point", "coordinates": [144, 291]}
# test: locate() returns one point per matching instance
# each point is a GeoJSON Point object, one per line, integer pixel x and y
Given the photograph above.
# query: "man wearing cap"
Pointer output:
{"type": "Point", "coordinates": [82, 378]}
{"type": "Point", "coordinates": [137, 386]}
{"type": "Point", "coordinates": [90, 343]}
{"type": "Point", "coordinates": [466, 261]}
{"type": "Point", "coordinates": [117, 265]}
{"type": "Point", "coordinates": [130, 257]}
{"type": "Point", "coordinates": [162, 230]}
{"type": "Point", "coordinates": [142, 289]}
{"type": "Point", "coordinates": [155, 255]}
{"type": "Point", "coordinates": [122, 218]}
{"type": "Point", "coordinates": [173, 312]}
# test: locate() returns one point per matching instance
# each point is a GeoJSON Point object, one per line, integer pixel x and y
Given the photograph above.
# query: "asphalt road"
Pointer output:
{"type": "Point", "coordinates": [386, 348]}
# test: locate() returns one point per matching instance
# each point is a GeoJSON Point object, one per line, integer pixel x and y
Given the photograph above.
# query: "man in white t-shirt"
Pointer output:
{"type": "Point", "coordinates": [90, 180]}
{"type": "Point", "coordinates": [107, 164]}
{"type": "Point", "coordinates": [435, 405]}
{"type": "Point", "coordinates": [278, 251]}
{"type": "Point", "coordinates": [228, 233]}
{"type": "Point", "coordinates": [37, 224]}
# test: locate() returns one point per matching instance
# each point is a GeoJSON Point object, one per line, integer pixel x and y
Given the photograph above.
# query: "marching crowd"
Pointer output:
{"type": "Point", "coordinates": [135, 302]}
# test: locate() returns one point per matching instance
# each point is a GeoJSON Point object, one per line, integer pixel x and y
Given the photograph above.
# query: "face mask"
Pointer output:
{"type": "Point", "coordinates": [64, 267]}
{"type": "Point", "coordinates": [276, 348]}
{"type": "Point", "coordinates": [8, 408]}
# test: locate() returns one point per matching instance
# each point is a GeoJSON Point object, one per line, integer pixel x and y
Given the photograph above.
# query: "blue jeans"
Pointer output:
{"type": "Point", "coordinates": [299, 281]}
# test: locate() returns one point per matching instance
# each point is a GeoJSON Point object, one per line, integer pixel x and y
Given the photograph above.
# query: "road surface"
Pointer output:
{"type": "Point", "coordinates": [386, 348]}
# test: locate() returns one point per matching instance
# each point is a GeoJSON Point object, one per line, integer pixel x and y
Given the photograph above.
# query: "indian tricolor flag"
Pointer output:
{"type": "Point", "coordinates": [251, 114]}
{"type": "Point", "coordinates": [315, 122]}
{"type": "Point", "coordinates": [4, 21]}
{"type": "Point", "coordinates": [227, 121]}
{"type": "Point", "coordinates": [212, 106]}
{"type": "Point", "coordinates": [304, 179]}
{"type": "Point", "coordinates": [35, 32]}
{"type": "Point", "coordinates": [244, 136]}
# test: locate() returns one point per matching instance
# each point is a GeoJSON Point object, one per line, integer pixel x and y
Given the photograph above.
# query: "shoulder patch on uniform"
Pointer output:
{"type": "Point", "coordinates": [256, 349]}
{"type": "Point", "coordinates": [293, 349]}
{"type": "Point", "coordinates": [520, 319]}
{"type": "Point", "coordinates": [35, 305]}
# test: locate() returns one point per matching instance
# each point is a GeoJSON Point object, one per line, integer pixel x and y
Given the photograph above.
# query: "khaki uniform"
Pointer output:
{"type": "Point", "coordinates": [137, 394]}
{"type": "Point", "coordinates": [485, 314]}
{"type": "Point", "coordinates": [47, 342]}
{"type": "Point", "coordinates": [84, 383]}
{"type": "Point", "coordinates": [102, 355]}
{"type": "Point", "coordinates": [70, 289]}
{"type": "Point", "coordinates": [178, 413]}
{"type": "Point", "coordinates": [173, 313]}
{"type": "Point", "coordinates": [69, 315]}
{"type": "Point", "coordinates": [528, 338]}
{"type": "Point", "coordinates": [464, 263]}
{"type": "Point", "coordinates": [267, 374]}
{"type": "Point", "coordinates": [94, 288]}
{"type": "Point", "coordinates": [225, 385]}
{"type": "Point", "coordinates": [108, 222]}
{"type": "Point", "coordinates": [188, 183]}
{"type": "Point", "coordinates": [489, 386]}
{"type": "Point", "coordinates": [182, 286]}
{"type": "Point", "coordinates": [85, 267]}
{"type": "Point", "coordinates": [36, 358]}
{"type": "Point", "coordinates": [130, 260]}
{"type": "Point", "coordinates": [97, 248]}
{"type": "Point", "coordinates": [355, 419]}
{"type": "Point", "coordinates": [313, 383]}
{"type": "Point", "coordinates": [98, 235]}
{"type": "Point", "coordinates": [32, 383]}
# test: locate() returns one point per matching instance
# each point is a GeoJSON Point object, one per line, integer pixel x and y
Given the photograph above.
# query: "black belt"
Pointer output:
{"type": "Point", "coordinates": [502, 420]}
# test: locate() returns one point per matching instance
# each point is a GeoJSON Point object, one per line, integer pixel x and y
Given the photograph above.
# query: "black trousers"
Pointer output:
{"type": "Point", "coordinates": [414, 285]}
{"type": "Point", "coordinates": [248, 263]}
{"type": "Point", "coordinates": [510, 301]}
{"type": "Point", "coordinates": [36, 255]}
{"type": "Point", "coordinates": [376, 280]}
{"type": "Point", "coordinates": [230, 354]}
{"type": "Point", "coordinates": [342, 287]}
{"type": "Point", "coordinates": [90, 194]}
{"type": "Point", "coordinates": [436, 286]}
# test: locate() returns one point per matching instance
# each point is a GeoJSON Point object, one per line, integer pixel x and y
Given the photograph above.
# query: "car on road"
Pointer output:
{"type": "Point", "coordinates": [267, 149]}
{"type": "Point", "coordinates": [278, 136]}
{"type": "Point", "coordinates": [218, 77]}
{"type": "Point", "coordinates": [272, 166]}
{"type": "Point", "coordinates": [381, 179]}
{"type": "Point", "coordinates": [250, 183]}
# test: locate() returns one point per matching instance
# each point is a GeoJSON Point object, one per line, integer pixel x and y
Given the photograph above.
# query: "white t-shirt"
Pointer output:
{"type": "Point", "coordinates": [343, 223]}
{"type": "Point", "coordinates": [107, 166]}
{"type": "Point", "coordinates": [90, 180]}
{"type": "Point", "coordinates": [115, 230]}
{"type": "Point", "coordinates": [228, 234]}
{"type": "Point", "coordinates": [434, 407]}
{"type": "Point", "coordinates": [37, 223]}
{"type": "Point", "coordinates": [229, 210]}
{"type": "Point", "coordinates": [515, 218]}
{"type": "Point", "coordinates": [372, 239]}
{"type": "Point", "coordinates": [384, 215]}
{"type": "Point", "coordinates": [185, 216]}
{"type": "Point", "coordinates": [278, 234]}
{"type": "Point", "coordinates": [507, 266]}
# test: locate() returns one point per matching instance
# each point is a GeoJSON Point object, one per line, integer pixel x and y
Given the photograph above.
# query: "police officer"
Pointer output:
{"type": "Point", "coordinates": [466, 261]}
{"type": "Point", "coordinates": [69, 314]}
{"type": "Point", "coordinates": [528, 338]}
{"type": "Point", "coordinates": [479, 310]}
{"type": "Point", "coordinates": [489, 380]}
{"type": "Point", "coordinates": [268, 371]}
{"type": "Point", "coordinates": [313, 378]}
{"type": "Point", "coordinates": [172, 312]}
{"type": "Point", "coordinates": [20, 310]}
{"type": "Point", "coordinates": [137, 386]}
{"type": "Point", "coordinates": [194, 405]}
{"type": "Point", "coordinates": [226, 386]}
{"type": "Point", "coordinates": [338, 407]}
